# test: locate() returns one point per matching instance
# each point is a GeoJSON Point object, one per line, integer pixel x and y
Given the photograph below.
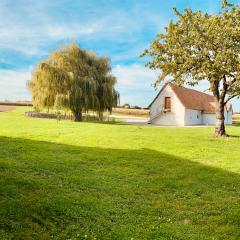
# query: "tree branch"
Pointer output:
{"type": "Point", "coordinates": [230, 97]}
{"type": "Point", "coordinates": [225, 88]}
{"type": "Point", "coordinates": [234, 78]}
{"type": "Point", "coordinates": [214, 89]}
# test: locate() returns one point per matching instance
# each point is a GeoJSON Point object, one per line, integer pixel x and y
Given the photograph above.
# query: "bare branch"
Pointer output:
{"type": "Point", "coordinates": [230, 97]}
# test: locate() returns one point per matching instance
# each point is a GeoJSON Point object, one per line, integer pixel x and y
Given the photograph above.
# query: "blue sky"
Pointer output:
{"type": "Point", "coordinates": [30, 29]}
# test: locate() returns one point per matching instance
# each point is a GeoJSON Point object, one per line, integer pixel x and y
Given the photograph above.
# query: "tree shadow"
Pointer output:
{"type": "Point", "coordinates": [233, 136]}
{"type": "Point", "coordinates": [57, 191]}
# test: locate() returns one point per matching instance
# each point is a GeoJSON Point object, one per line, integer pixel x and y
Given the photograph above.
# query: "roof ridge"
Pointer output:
{"type": "Point", "coordinates": [190, 89]}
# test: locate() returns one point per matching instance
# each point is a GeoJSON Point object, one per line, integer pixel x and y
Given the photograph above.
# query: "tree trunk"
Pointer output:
{"type": "Point", "coordinates": [100, 115]}
{"type": "Point", "coordinates": [220, 125]}
{"type": "Point", "coordinates": [77, 116]}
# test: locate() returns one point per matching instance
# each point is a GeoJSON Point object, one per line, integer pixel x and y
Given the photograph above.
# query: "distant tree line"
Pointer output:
{"type": "Point", "coordinates": [74, 79]}
{"type": "Point", "coordinates": [127, 105]}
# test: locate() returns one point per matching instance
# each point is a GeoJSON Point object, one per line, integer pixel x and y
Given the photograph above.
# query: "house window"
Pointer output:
{"type": "Point", "coordinates": [167, 103]}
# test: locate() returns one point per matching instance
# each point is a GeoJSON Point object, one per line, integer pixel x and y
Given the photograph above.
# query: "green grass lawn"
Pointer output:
{"type": "Point", "coordinates": [66, 180]}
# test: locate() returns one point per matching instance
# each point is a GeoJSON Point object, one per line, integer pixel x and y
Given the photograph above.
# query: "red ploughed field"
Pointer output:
{"type": "Point", "coordinates": [6, 108]}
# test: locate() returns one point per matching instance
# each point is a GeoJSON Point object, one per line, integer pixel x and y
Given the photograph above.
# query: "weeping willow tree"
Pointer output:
{"type": "Point", "coordinates": [106, 94]}
{"type": "Point", "coordinates": [74, 79]}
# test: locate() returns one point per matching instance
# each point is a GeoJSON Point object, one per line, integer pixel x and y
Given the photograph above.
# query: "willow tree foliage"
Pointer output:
{"type": "Point", "coordinates": [74, 79]}
{"type": "Point", "coordinates": [105, 92]}
{"type": "Point", "coordinates": [201, 46]}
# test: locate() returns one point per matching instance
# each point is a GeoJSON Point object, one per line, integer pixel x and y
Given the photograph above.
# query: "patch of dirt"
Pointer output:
{"type": "Point", "coordinates": [6, 108]}
{"type": "Point", "coordinates": [185, 221]}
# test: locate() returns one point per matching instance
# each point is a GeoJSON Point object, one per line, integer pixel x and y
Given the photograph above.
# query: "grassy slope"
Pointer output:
{"type": "Point", "coordinates": [86, 180]}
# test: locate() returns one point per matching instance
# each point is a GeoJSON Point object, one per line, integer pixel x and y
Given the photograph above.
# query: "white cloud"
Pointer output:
{"type": "Point", "coordinates": [134, 76]}
{"type": "Point", "coordinates": [31, 28]}
{"type": "Point", "coordinates": [134, 84]}
{"type": "Point", "coordinates": [13, 84]}
{"type": "Point", "coordinates": [31, 40]}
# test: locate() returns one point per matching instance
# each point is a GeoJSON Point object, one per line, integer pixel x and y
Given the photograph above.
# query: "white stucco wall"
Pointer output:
{"type": "Point", "coordinates": [210, 118]}
{"type": "Point", "coordinates": [228, 117]}
{"type": "Point", "coordinates": [173, 118]}
{"type": "Point", "coordinates": [193, 117]}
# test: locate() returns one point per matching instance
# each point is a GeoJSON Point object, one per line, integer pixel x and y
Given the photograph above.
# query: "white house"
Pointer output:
{"type": "Point", "coordinates": [180, 106]}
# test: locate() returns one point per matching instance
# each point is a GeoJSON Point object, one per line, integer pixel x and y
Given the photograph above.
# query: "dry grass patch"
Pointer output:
{"type": "Point", "coordinates": [236, 116]}
{"type": "Point", "coordinates": [129, 111]}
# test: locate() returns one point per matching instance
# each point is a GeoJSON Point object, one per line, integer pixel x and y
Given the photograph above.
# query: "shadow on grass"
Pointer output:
{"type": "Point", "coordinates": [113, 122]}
{"type": "Point", "coordinates": [56, 191]}
{"type": "Point", "coordinates": [233, 136]}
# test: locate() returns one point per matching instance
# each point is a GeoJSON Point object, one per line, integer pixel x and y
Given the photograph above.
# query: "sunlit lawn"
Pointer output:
{"type": "Point", "coordinates": [66, 180]}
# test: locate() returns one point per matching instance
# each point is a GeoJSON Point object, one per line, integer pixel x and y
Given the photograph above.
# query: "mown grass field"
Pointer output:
{"type": "Point", "coordinates": [66, 180]}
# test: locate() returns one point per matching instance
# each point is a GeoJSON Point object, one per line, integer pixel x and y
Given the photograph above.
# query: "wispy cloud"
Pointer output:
{"type": "Point", "coordinates": [134, 84]}
{"type": "Point", "coordinates": [32, 28]}
{"type": "Point", "coordinates": [13, 84]}
{"type": "Point", "coordinates": [134, 76]}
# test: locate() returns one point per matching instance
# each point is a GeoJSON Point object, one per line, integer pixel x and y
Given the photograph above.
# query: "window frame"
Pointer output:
{"type": "Point", "coordinates": [167, 104]}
